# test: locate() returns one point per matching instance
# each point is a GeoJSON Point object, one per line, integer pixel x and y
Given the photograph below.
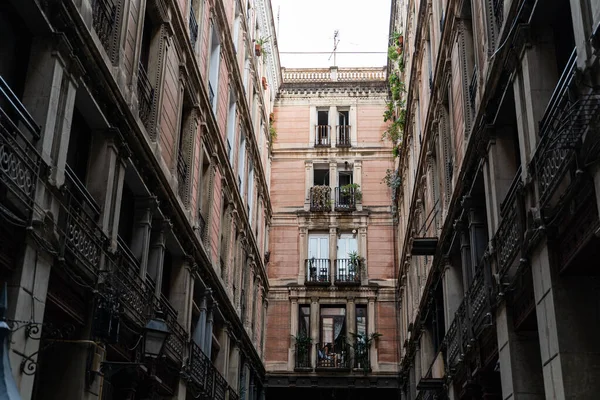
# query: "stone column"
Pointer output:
{"type": "Point", "coordinates": [465, 256]}
{"type": "Point", "coordinates": [333, 181]}
{"type": "Point", "coordinates": [209, 329]}
{"type": "Point", "coordinates": [309, 179]}
{"type": "Point", "coordinates": [362, 251]}
{"type": "Point", "coordinates": [357, 178]}
{"type": "Point", "coordinates": [156, 255]}
{"type": "Point", "coordinates": [351, 327]}
{"type": "Point", "coordinates": [264, 323]}
{"type": "Point", "coordinates": [519, 359]}
{"type": "Point", "coordinates": [353, 128]}
{"type": "Point", "coordinates": [302, 273]}
{"type": "Point", "coordinates": [140, 240]}
{"type": "Point", "coordinates": [222, 361]}
{"type": "Point", "coordinates": [234, 363]}
{"type": "Point", "coordinates": [199, 330]}
{"type": "Point", "coordinates": [370, 330]}
{"type": "Point", "coordinates": [333, 122]}
{"type": "Point", "coordinates": [293, 332]}
{"type": "Point", "coordinates": [314, 328]}
{"type": "Point", "coordinates": [182, 291]}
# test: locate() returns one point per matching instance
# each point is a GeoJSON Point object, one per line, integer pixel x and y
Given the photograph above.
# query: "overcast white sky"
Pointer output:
{"type": "Point", "coordinates": [308, 25]}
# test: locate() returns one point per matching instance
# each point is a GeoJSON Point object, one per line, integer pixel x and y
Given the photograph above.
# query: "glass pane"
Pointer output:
{"type": "Point", "coordinates": [313, 249]}
{"type": "Point", "coordinates": [324, 246]}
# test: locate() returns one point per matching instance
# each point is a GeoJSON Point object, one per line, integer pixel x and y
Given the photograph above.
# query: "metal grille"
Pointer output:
{"type": "Point", "coordinates": [509, 236]}
{"type": "Point", "coordinates": [193, 27]}
{"type": "Point", "coordinates": [198, 365]}
{"type": "Point", "coordinates": [347, 271]}
{"type": "Point", "coordinates": [322, 136]}
{"type": "Point", "coordinates": [343, 136]}
{"type": "Point", "coordinates": [317, 270]}
{"type": "Point", "coordinates": [303, 355]}
{"type": "Point", "coordinates": [345, 199]}
{"type": "Point", "coordinates": [332, 355]}
{"type": "Point", "coordinates": [498, 11]}
{"type": "Point", "coordinates": [145, 93]}
{"type": "Point", "coordinates": [104, 14]}
{"type": "Point", "coordinates": [182, 174]}
{"type": "Point", "coordinates": [134, 292]}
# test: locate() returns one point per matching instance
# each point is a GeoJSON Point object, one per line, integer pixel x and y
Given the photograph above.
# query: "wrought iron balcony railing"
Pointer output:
{"type": "Point", "coordinates": [134, 293]}
{"type": "Point", "coordinates": [145, 93]}
{"type": "Point", "coordinates": [198, 364]}
{"type": "Point", "coordinates": [509, 236]}
{"type": "Point", "coordinates": [333, 355]}
{"type": "Point", "coordinates": [322, 136]}
{"type": "Point", "coordinates": [498, 10]}
{"type": "Point", "coordinates": [343, 136]}
{"type": "Point", "coordinates": [219, 385]}
{"type": "Point", "coordinates": [347, 272]}
{"type": "Point", "coordinates": [84, 239]}
{"type": "Point", "coordinates": [320, 198]}
{"type": "Point", "coordinates": [473, 88]}
{"type": "Point", "coordinates": [20, 162]}
{"type": "Point", "coordinates": [193, 27]}
{"type": "Point", "coordinates": [182, 173]}
{"type": "Point", "coordinates": [303, 355]}
{"type": "Point", "coordinates": [480, 312]}
{"type": "Point", "coordinates": [345, 199]}
{"type": "Point", "coordinates": [176, 341]}
{"type": "Point", "coordinates": [361, 355]}
{"type": "Point", "coordinates": [317, 271]}
{"type": "Point", "coordinates": [104, 14]}
{"type": "Point", "coordinates": [211, 94]}
{"type": "Point", "coordinates": [566, 119]}
{"type": "Point", "coordinates": [232, 394]}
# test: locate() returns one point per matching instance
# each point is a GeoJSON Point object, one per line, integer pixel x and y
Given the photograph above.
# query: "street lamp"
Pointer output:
{"type": "Point", "coordinates": [155, 336]}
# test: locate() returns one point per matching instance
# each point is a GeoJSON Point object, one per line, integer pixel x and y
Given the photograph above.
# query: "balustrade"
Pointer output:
{"type": "Point", "coordinates": [347, 271]}
{"type": "Point", "coordinates": [509, 236]}
{"type": "Point", "coordinates": [104, 14]}
{"type": "Point", "coordinates": [332, 355]}
{"type": "Point", "coordinates": [343, 136]}
{"type": "Point", "coordinates": [317, 271]}
{"type": "Point", "coordinates": [322, 136]}
{"type": "Point", "coordinates": [145, 93]}
{"type": "Point", "coordinates": [345, 199]}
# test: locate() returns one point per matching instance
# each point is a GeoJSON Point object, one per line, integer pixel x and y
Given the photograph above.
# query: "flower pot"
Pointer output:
{"type": "Point", "coordinates": [264, 83]}
{"type": "Point", "coordinates": [257, 49]}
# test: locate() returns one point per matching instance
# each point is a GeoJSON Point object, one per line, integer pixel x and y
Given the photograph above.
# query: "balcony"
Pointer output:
{"type": "Point", "coordinates": [208, 382]}
{"type": "Point", "coordinates": [498, 9]}
{"type": "Point", "coordinates": [566, 119]}
{"type": "Point", "coordinates": [201, 225]}
{"type": "Point", "coordinates": [480, 310]}
{"type": "Point", "coordinates": [322, 136]}
{"type": "Point", "coordinates": [232, 394]}
{"type": "Point", "coordinates": [509, 236]}
{"type": "Point", "coordinates": [361, 356]}
{"type": "Point", "coordinates": [303, 356]}
{"type": "Point", "coordinates": [457, 338]}
{"type": "Point", "coordinates": [176, 341]}
{"type": "Point", "coordinates": [333, 355]}
{"type": "Point", "coordinates": [347, 272]}
{"type": "Point", "coordinates": [84, 240]}
{"type": "Point", "coordinates": [320, 198]}
{"type": "Point", "coordinates": [317, 271]}
{"type": "Point", "coordinates": [134, 294]}
{"type": "Point", "coordinates": [182, 174]}
{"type": "Point", "coordinates": [145, 93]}
{"type": "Point", "coordinates": [345, 198]}
{"type": "Point", "coordinates": [211, 95]}
{"type": "Point", "coordinates": [193, 27]}
{"type": "Point", "coordinates": [343, 136]}
{"type": "Point", "coordinates": [20, 163]}
{"type": "Point", "coordinates": [104, 14]}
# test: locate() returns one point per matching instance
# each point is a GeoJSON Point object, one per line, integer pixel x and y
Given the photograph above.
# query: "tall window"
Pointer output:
{"type": "Point", "coordinates": [213, 73]}
{"type": "Point", "coordinates": [250, 190]}
{"type": "Point", "coordinates": [241, 161]}
{"type": "Point", "coordinates": [231, 124]}
{"type": "Point", "coordinates": [304, 321]}
{"type": "Point", "coordinates": [332, 346]}
{"type": "Point", "coordinates": [318, 258]}
{"type": "Point", "coordinates": [361, 320]}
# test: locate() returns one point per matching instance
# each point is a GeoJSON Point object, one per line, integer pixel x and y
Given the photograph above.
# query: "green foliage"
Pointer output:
{"type": "Point", "coordinates": [393, 53]}
{"type": "Point", "coordinates": [396, 151]}
{"type": "Point", "coordinates": [347, 189]}
{"type": "Point", "coordinates": [392, 179]}
{"type": "Point", "coordinates": [362, 344]}
{"type": "Point", "coordinates": [395, 131]}
{"type": "Point", "coordinates": [302, 340]}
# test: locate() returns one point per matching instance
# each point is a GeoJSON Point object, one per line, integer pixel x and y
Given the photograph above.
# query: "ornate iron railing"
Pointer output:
{"type": "Point", "coordinates": [176, 341]}
{"type": "Point", "coordinates": [198, 365]}
{"type": "Point", "coordinates": [182, 173]}
{"type": "Point", "coordinates": [232, 394]}
{"type": "Point", "coordinates": [343, 136]}
{"type": "Point", "coordinates": [566, 119]}
{"type": "Point", "coordinates": [201, 225]}
{"type": "Point", "coordinates": [83, 237]}
{"type": "Point", "coordinates": [509, 236]}
{"type": "Point", "coordinates": [320, 198]}
{"type": "Point", "coordinates": [104, 14]}
{"type": "Point", "coordinates": [193, 27]}
{"type": "Point", "coordinates": [345, 199]}
{"type": "Point", "coordinates": [134, 293]}
{"type": "Point", "coordinates": [220, 385]}
{"type": "Point", "coordinates": [302, 359]}
{"type": "Point", "coordinates": [211, 94]}
{"type": "Point", "coordinates": [473, 88]}
{"type": "Point", "coordinates": [145, 93]}
{"type": "Point", "coordinates": [333, 355]}
{"type": "Point", "coordinates": [317, 270]}
{"type": "Point", "coordinates": [347, 271]}
{"type": "Point", "coordinates": [480, 314]}
{"type": "Point", "coordinates": [20, 162]}
{"type": "Point", "coordinates": [498, 11]}
{"type": "Point", "coordinates": [322, 136]}
{"type": "Point", "coordinates": [361, 355]}
{"type": "Point", "coordinates": [452, 343]}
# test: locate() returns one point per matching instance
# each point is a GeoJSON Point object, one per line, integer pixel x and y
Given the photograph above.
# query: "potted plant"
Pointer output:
{"type": "Point", "coordinates": [354, 265]}
{"type": "Point", "coordinates": [361, 345]}
{"type": "Point", "coordinates": [264, 83]}
{"type": "Point", "coordinates": [303, 345]}
{"type": "Point", "coordinates": [259, 45]}
{"type": "Point", "coordinates": [352, 188]}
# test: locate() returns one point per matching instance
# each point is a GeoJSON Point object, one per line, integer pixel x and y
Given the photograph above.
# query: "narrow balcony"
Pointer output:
{"type": "Point", "coordinates": [345, 198]}
{"type": "Point", "coordinates": [182, 174]}
{"type": "Point", "coordinates": [347, 272]}
{"type": "Point", "coordinates": [211, 94]}
{"type": "Point", "coordinates": [498, 9]}
{"type": "Point", "coordinates": [302, 362]}
{"type": "Point", "coordinates": [323, 136]}
{"type": "Point", "coordinates": [84, 240]}
{"type": "Point", "coordinates": [145, 93]}
{"type": "Point", "coordinates": [199, 365]}
{"type": "Point", "coordinates": [176, 341]}
{"type": "Point", "coordinates": [509, 236]}
{"type": "Point", "coordinates": [480, 309]}
{"type": "Point", "coordinates": [201, 225]}
{"type": "Point", "coordinates": [193, 27]}
{"type": "Point", "coordinates": [333, 356]}
{"type": "Point", "coordinates": [232, 394]}
{"type": "Point", "coordinates": [361, 355]}
{"type": "Point", "coordinates": [457, 339]}
{"type": "Point", "coordinates": [343, 136]}
{"type": "Point", "coordinates": [20, 162]}
{"type": "Point", "coordinates": [104, 14]}
{"type": "Point", "coordinates": [320, 198]}
{"type": "Point", "coordinates": [317, 272]}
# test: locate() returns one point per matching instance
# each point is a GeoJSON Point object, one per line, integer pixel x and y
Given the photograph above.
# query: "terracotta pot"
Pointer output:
{"type": "Point", "coordinates": [257, 49]}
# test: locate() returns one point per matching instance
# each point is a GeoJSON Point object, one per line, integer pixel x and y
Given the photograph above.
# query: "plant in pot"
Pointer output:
{"type": "Point", "coordinates": [354, 265]}
{"type": "Point", "coordinates": [303, 345]}
{"type": "Point", "coordinates": [259, 46]}
{"type": "Point", "coordinates": [361, 345]}
{"type": "Point", "coordinates": [350, 189]}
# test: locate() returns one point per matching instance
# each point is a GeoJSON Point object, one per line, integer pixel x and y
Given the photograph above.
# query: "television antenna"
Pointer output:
{"type": "Point", "coordinates": [336, 41]}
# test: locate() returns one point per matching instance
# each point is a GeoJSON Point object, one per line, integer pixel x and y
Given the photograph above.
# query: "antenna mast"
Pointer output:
{"type": "Point", "coordinates": [336, 41]}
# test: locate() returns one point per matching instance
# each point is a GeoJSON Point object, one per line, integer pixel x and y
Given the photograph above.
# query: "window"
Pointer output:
{"type": "Point", "coordinates": [241, 162]}
{"type": "Point", "coordinates": [147, 67]}
{"type": "Point", "coordinates": [231, 124]}
{"type": "Point", "coordinates": [213, 72]}
{"type": "Point", "coordinates": [343, 128]}
{"type": "Point", "coordinates": [236, 26]}
{"type": "Point", "coordinates": [322, 129]}
{"type": "Point", "coordinates": [346, 263]}
{"type": "Point", "coordinates": [332, 346]}
{"type": "Point", "coordinates": [318, 258]}
{"type": "Point", "coordinates": [344, 178]}
{"type": "Point", "coordinates": [250, 190]}
{"type": "Point", "coordinates": [361, 349]}
{"type": "Point", "coordinates": [361, 320]}
{"type": "Point", "coordinates": [321, 176]}
{"type": "Point", "coordinates": [185, 149]}
{"type": "Point", "coordinates": [304, 321]}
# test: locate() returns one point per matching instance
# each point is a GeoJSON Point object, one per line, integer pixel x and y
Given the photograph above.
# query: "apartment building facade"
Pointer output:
{"type": "Point", "coordinates": [331, 317]}
{"type": "Point", "coordinates": [134, 173]}
{"type": "Point", "coordinates": [498, 207]}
